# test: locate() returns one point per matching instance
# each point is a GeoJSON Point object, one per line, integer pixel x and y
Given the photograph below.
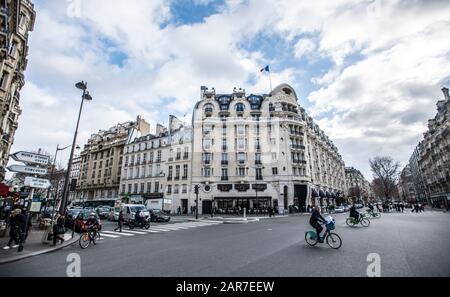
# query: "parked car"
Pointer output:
{"type": "Point", "coordinates": [103, 211]}
{"type": "Point", "coordinates": [82, 217]}
{"type": "Point", "coordinates": [114, 214]}
{"type": "Point", "coordinates": [129, 211]}
{"type": "Point", "coordinates": [346, 207]}
{"type": "Point", "coordinates": [157, 215]}
{"type": "Point", "coordinates": [339, 209]}
{"type": "Point", "coordinates": [358, 205]}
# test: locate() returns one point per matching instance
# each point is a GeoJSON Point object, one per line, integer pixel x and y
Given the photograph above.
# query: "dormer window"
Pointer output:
{"type": "Point", "coordinates": [240, 107]}
{"type": "Point", "coordinates": [208, 109]}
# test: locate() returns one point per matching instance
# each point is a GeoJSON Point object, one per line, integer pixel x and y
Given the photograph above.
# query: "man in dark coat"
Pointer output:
{"type": "Point", "coordinates": [119, 222]}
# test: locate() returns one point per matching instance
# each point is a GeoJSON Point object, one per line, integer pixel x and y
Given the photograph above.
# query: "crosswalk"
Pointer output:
{"type": "Point", "coordinates": [154, 228]}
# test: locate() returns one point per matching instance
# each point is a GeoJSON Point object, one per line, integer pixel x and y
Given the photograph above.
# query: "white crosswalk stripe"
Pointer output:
{"type": "Point", "coordinates": [117, 233]}
{"type": "Point", "coordinates": [157, 228]}
{"type": "Point", "coordinates": [133, 232]}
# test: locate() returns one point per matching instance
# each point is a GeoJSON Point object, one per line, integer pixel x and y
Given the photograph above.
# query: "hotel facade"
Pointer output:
{"type": "Point", "coordinates": [256, 151]}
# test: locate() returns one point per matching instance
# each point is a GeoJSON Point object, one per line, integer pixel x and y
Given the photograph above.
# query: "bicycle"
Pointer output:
{"type": "Point", "coordinates": [333, 240]}
{"type": "Point", "coordinates": [352, 222]}
{"type": "Point", "coordinates": [372, 214]}
{"type": "Point", "coordinates": [87, 237]}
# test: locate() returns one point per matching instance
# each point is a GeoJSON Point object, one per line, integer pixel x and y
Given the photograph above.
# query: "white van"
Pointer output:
{"type": "Point", "coordinates": [129, 211]}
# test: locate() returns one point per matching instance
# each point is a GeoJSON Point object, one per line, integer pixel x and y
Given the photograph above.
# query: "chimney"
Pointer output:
{"type": "Point", "coordinates": [445, 91]}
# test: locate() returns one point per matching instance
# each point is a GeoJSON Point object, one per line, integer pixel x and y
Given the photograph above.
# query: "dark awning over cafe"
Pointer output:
{"type": "Point", "coordinates": [322, 194]}
{"type": "Point", "coordinates": [314, 193]}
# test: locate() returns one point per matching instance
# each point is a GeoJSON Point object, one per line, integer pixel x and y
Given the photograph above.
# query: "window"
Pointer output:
{"type": "Point", "coordinates": [241, 172]}
{"type": "Point", "coordinates": [224, 173]}
{"type": "Point", "coordinates": [186, 153]}
{"type": "Point", "coordinates": [131, 173]}
{"type": "Point", "coordinates": [13, 48]}
{"type": "Point", "coordinates": [208, 108]}
{"type": "Point", "coordinates": [138, 158]}
{"type": "Point", "coordinates": [149, 187]}
{"type": "Point", "coordinates": [142, 188]}
{"type": "Point", "coordinates": [240, 107]}
{"type": "Point", "coordinates": [241, 157]}
{"type": "Point", "coordinates": [169, 189]}
{"type": "Point", "coordinates": [123, 189]}
{"type": "Point", "coordinates": [207, 157]}
{"type": "Point", "coordinates": [158, 159]}
{"type": "Point", "coordinates": [185, 171]}
{"type": "Point", "coordinates": [151, 157]}
{"type": "Point", "coordinates": [129, 188]}
{"type": "Point", "coordinates": [4, 80]}
{"type": "Point", "coordinates": [156, 187]}
{"type": "Point", "coordinates": [158, 170]}
{"type": "Point", "coordinates": [150, 171]}
{"type": "Point", "coordinates": [184, 189]}
{"type": "Point", "coordinates": [206, 172]}
{"type": "Point", "coordinates": [135, 188]}
{"type": "Point", "coordinates": [177, 172]}
{"type": "Point", "coordinates": [240, 129]}
{"type": "Point", "coordinates": [143, 171]}
{"type": "Point", "coordinates": [275, 170]}
{"type": "Point", "coordinates": [259, 174]}
{"type": "Point", "coordinates": [207, 144]}
{"type": "Point", "coordinates": [241, 144]}
{"type": "Point", "coordinates": [176, 189]}
{"type": "Point", "coordinates": [224, 157]}
{"type": "Point", "coordinates": [170, 172]}
{"type": "Point", "coordinates": [137, 172]}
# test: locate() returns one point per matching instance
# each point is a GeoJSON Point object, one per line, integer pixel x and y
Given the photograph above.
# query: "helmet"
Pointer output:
{"type": "Point", "coordinates": [92, 214]}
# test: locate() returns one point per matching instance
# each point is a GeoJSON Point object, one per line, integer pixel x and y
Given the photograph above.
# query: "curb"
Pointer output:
{"type": "Point", "coordinates": [40, 252]}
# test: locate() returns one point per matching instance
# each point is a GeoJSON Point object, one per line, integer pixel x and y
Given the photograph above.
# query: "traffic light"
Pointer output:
{"type": "Point", "coordinates": [196, 187]}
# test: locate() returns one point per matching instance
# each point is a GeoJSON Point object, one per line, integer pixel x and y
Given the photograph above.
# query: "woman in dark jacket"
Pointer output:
{"type": "Point", "coordinates": [58, 229]}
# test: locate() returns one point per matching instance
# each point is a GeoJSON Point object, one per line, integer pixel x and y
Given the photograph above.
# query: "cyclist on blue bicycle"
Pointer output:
{"type": "Point", "coordinates": [315, 220]}
{"type": "Point", "coordinates": [92, 224]}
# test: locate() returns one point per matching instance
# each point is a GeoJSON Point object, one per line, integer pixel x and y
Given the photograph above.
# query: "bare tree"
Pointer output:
{"type": "Point", "coordinates": [386, 174]}
{"type": "Point", "coordinates": [354, 193]}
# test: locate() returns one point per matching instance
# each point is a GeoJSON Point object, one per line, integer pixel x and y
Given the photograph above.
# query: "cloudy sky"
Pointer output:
{"type": "Point", "coordinates": [369, 72]}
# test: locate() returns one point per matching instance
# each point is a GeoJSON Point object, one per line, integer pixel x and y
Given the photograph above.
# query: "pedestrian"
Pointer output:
{"type": "Point", "coordinates": [119, 222]}
{"type": "Point", "coordinates": [21, 226]}
{"type": "Point", "coordinates": [270, 211]}
{"type": "Point", "coordinates": [28, 225]}
{"type": "Point", "coordinates": [403, 207]}
{"type": "Point", "coordinates": [179, 210]}
{"type": "Point", "coordinates": [13, 232]}
{"type": "Point", "coordinates": [58, 230]}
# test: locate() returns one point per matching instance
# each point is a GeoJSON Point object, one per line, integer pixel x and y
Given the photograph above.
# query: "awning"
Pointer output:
{"type": "Point", "coordinates": [333, 195]}
{"type": "Point", "coordinates": [328, 194]}
{"type": "Point", "coordinates": [322, 194]}
{"type": "Point", "coordinates": [314, 193]}
{"type": "Point", "coordinates": [4, 190]}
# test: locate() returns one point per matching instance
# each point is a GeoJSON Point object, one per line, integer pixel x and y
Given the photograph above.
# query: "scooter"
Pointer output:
{"type": "Point", "coordinates": [143, 223]}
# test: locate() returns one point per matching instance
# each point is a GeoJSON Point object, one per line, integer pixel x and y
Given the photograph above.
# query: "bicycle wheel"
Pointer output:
{"type": "Point", "coordinates": [131, 225]}
{"type": "Point", "coordinates": [311, 238]}
{"type": "Point", "coordinates": [365, 222]}
{"type": "Point", "coordinates": [378, 215]}
{"type": "Point", "coordinates": [84, 240]}
{"type": "Point", "coordinates": [96, 237]}
{"type": "Point", "coordinates": [350, 222]}
{"type": "Point", "coordinates": [334, 241]}
{"type": "Point", "coordinates": [147, 225]}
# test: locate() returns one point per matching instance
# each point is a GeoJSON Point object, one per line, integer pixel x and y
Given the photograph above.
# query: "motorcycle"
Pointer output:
{"type": "Point", "coordinates": [143, 223]}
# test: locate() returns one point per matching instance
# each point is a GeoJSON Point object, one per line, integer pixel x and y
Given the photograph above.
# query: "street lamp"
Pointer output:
{"type": "Point", "coordinates": [86, 96]}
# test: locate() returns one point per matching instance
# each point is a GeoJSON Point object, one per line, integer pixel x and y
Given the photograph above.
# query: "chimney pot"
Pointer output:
{"type": "Point", "coordinates": [446, 95]}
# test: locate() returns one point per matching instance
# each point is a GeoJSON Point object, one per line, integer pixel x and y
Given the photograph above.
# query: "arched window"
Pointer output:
{"type": "Point", "coordinates": [208, 108]}
{"type": "Point", "coordinates": [240, 107]}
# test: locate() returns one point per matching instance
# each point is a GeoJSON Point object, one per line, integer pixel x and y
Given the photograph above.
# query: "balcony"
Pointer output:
{"type": "Point", "coordinates": [207, 162]}
{"type": "Point", "coordinates": [224, 147]}
{"type": "Point", "coordinates": [224, 162]}
{"type": "Point", "coordinates": [185, 156]}
{"type": "Point", "coordinates": [241, 161]}
{"type": "Point", "coordinates": [178, 157]}
{"type": "Point", "coordinates": [170, 159]}
{"type": "Point", "coordinates": [177, 178]}
{"type": "Point", "coordinates": [224, 178]}
{"type": "Point", "coordinates": [258, 162]}
{"type": "Point", "coordinates": [184, 177]}
{"type": "Point", "coordinates": [259, 177]}
{"type": "Point", "coordinates": [208, 111]}
{"type": "Point", "coordinates": [169, 177]}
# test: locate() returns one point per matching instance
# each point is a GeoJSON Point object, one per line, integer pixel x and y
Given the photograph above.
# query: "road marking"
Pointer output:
{"type": "Point", "coordinates": [108, 235]}
{"type": "Point", "coordinates": [133, 232]}
{"type": "Point", "coordinates": [159, 229]}
{"type": "Point", "coordinates": [151, 231]}
{"type": "Point", "coordinates": [118, 233]}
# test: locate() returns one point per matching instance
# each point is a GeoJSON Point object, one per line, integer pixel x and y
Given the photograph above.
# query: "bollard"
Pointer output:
{"type": "Point", "coordinates": [245, 212]}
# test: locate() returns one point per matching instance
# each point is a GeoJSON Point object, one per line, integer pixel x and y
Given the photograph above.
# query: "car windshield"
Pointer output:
{"type": "Point", "coordinates": [138, 208]}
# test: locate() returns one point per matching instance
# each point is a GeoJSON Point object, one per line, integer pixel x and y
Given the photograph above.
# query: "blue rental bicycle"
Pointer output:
{"type": "Point", "coordinates": [333, 240]}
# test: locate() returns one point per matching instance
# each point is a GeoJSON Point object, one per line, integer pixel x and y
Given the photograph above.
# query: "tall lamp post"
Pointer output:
{"type": "Point", "coordinates": [52, 177]}
{"type": "Point", "coordinates": [81, 86]}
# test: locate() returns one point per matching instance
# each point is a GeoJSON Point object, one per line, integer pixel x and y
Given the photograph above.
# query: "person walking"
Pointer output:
{"type": "Point", "coordinates": [21, 228]}
{"type": "Point", "coordinates": [119, 222]}
{"type": "Point", "coordinates": [402, 207]}
{"type": "Point", "coordinates": [58, 230]}
{"type": "Point", "coordinates": [13, 232]}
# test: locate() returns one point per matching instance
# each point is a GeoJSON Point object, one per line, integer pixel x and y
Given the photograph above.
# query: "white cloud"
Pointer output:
{"type": "Point", "coordinates": [304, 48]}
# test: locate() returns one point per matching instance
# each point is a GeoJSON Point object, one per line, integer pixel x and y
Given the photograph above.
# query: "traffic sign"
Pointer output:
{"type": "Point", "coordinates": [27, 169]}
{"type": "Point", "coordinates": [39, 183]}
{"type": "Point", "coordinates": [30, 158]}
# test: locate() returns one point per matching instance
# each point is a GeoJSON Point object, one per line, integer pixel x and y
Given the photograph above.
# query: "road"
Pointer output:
{"type": "Point", "coordinates": [408, 244]}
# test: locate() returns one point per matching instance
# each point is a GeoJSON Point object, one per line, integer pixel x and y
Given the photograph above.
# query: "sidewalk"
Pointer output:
{"type": "Point", "coordinates": [33, 246]}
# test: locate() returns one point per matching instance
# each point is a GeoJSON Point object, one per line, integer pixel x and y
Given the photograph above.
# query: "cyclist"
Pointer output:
{"type": "Point", "coordinates": [370, 208]}
{"type": "Point", "coordinates": [315, 220]}
{"type": "Point", "coordinates": [354, 213]}
{"type": "Point", "coordinates": [92, 224]}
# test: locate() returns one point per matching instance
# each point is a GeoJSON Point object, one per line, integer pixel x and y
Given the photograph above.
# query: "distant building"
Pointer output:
{"type": "Point", "coordinates": [16, 21]}
{"type": "Point", "coordinates": [417, 176]}
{"type": "Point", "coordinates": [406, 188]}
{"type": "Point", "coordinates": [157, 167]}
{"type": "Point", "coordinates": [358, 188]}
{"type": "Point", "coordinates": [102, 158]}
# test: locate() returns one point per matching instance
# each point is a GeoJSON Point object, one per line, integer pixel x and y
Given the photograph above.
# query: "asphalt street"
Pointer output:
{"type": "Point", "coordinates": [409, 244]}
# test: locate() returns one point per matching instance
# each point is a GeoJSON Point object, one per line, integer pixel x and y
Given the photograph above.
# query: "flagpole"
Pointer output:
{"type": "Point", "coordinates": [270, 81]}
